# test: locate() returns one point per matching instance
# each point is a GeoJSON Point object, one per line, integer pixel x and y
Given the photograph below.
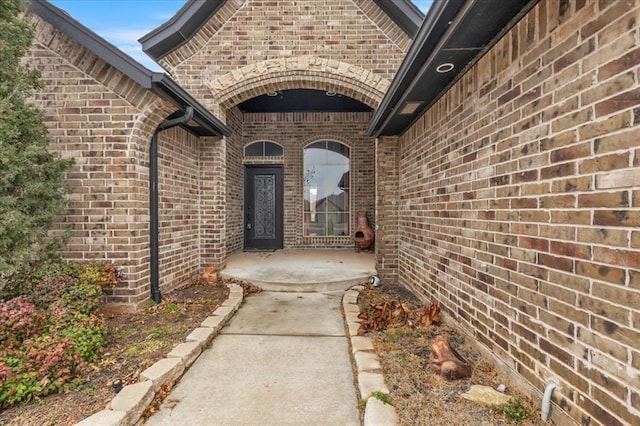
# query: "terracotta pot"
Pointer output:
{"type": "Point", "coordinates": [364, 235]}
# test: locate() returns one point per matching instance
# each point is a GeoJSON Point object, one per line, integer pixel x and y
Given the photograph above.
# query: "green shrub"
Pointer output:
{"type": "Point", "coordinates": [32, 192]}
{"type": "Point", "coordinates": [18, 386]}
{"type": "Point", "coordinates": [513, 411]}
{"type": "Point", "coordinates": [50, 330]}
{"type": "Point", "coordinates": [83, 298]}
{"type": "Point", "coordinates": [42, 365]}
{"type": "Point", "coordinates": [62, 284]}
{"type": "Point", "coordinates": [103, 274]}
{"type": "Point", "coordinates": [49, 282]}
{"type": "Point", "coordinates": [19, 319]}
{"type": "Point", "coordinates": [89, 334]}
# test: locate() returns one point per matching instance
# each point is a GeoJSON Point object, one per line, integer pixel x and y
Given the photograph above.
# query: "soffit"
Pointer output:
{"type": "Point", "coordinates": [454, 32]}
{"type": "Point", "coordinates": [309, 100]}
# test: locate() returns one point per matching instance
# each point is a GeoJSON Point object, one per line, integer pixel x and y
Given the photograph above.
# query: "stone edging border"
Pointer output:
{"type": "Point", "coordinates": [368, 369]}
{"type": "Point", "coordinates": [127, 406]}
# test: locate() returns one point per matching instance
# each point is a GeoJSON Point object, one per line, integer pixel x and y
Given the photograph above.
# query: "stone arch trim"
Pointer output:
{"type": "Point", "coordinates": [325, 137]}
{"type": "Point", "coordinates": [261, 140]}
{"type": "Point", "coordinates": [298, 72]}
{"type": "Point", "coordinates": [255, 141]}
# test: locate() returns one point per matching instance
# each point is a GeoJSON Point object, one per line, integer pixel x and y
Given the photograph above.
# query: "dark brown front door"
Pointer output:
{"type": "Point", "coordinates": [263, 207]}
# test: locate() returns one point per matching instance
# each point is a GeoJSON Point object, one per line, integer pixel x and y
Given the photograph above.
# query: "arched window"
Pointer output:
{"type": "Point", "coordinates": [263, 149]}
{"type": "Point", "coordinates": [326, 189]}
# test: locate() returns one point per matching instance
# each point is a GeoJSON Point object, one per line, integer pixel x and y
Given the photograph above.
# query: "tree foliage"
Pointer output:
{"type": "Point", "coordinates": [31, 186]}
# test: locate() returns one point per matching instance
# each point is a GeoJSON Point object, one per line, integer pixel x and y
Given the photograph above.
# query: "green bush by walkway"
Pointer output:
{"type": "Point", "coordinates": [50, 330]}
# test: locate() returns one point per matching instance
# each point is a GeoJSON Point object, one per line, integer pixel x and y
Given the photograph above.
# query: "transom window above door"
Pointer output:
{"type": "Point", "coordinates": [263, 149]}
{"type": "Point", "coordinates": [326, 189]}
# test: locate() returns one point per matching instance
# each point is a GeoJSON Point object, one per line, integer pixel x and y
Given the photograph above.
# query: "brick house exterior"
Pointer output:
{"type": "Point", "coordinates": [510, 197]}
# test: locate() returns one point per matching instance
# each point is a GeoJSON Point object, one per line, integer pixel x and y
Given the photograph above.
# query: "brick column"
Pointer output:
{"type": "Point", "coordinates": [213, 202]}
{"type": "Point", "coordinates": [386, 229]}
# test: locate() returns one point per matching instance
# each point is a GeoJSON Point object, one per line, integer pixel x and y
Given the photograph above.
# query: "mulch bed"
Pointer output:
{"type": "Point", "coordinates": [420, 396]}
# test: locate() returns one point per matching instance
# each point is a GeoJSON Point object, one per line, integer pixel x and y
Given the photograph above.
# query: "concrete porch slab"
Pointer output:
{"type": "Point", "coordinates": [301, 270]}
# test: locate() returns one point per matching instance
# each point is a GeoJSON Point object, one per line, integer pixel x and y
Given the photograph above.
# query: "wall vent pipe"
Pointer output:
{"type": "Point", "coordinates": [546, 400]}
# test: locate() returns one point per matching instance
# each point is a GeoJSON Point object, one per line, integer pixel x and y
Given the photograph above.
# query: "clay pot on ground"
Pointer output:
{"type": "Point", "coordinates": [364, 235]}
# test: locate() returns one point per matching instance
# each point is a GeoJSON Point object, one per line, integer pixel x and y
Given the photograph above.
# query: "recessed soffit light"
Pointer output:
{"type": "Point", "coordinates": [444, 68]}
{"type": "Point", "coordinates": [410, 107]}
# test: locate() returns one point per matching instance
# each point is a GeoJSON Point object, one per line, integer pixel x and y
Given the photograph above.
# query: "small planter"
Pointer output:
{"type": "Point", "coordinates": [364, 235]}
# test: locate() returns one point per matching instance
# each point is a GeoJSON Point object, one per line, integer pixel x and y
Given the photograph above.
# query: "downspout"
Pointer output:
{"type": "Point", "coordinates": [154, 227]}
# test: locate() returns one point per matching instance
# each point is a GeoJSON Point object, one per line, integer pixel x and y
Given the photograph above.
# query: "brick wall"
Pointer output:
{"type": "Point", "coordinates": [261, 29]}
{"type": "Point", "coordinates": [213, 201]}
{"type": "Point", "coordinates": [178, 208]}
{"type": "Point", "coordinates": [294, 131]}
{"type": "Point", "coordinates": [386, 197]}
{"type": "Point", "coordinates": [253, 47]}
{"type": "Point", "coordinates": [234, 183]}
{"type": "Point", "coordinates": [519, 205]}
{"type": "Point", "coordinates": [104, 121]}
{"type": "Point", "coordinates": [251, 31]}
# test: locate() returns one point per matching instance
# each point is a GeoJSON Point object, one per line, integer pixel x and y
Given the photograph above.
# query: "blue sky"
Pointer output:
{"type": "Point", "coordinates": [123, 22]}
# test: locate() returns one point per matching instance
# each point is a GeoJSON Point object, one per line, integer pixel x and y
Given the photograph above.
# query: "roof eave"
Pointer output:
{"type": "Point", "coordinates": [92, 41]}
{"type": "Point", "coordinates": [438, 14]}
{"type": "Point", "coordinates": [159, 83]}
{"type": "Point", "coordinates": [195, 13]}
{"type": "Point", "coordinates": [404, 13]}
{"type": "Point", "coordinates": [179, 28]}
{"type": "Point", "coordinates": [418, 79]}
{"type": "Point", "coordinates": [163, 85]}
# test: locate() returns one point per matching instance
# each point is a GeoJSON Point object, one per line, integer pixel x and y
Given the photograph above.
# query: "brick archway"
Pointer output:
{"type": "Point", "coordinates": [302, 72]}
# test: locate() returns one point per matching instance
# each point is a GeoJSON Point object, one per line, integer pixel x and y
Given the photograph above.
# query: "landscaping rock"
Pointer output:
{"type": "Point", "coordinates": [133, 400]}
{"type": "Point", "coordinates": [225, 310]}
{"type": "Point", "coordinates": [378, 413]}
{"type": "Point", "coordinates": [353, 327]}
{"type": "Point", "coordinates": [104, 418]}
{"type": "Point", "coordinates": [215, 322]}
{"type": "Point", "coordinates": [350, 297]}
{"type": "Point", "coordinates": [371, 382]}
{"type": "Point", "coordinates": [367, 361]}
{"type": "Point", "coordinates": [349, 307]}
{"type": "Point", "coordinates": [361, 343]}
{"type": "Point", "coordinates": [188, 352]}
{"type": "Point", "coordinates": [166, 370]}
{"type": "Point", "coordinates": [485, 395]}
{"type": "Point", "coordinates": [351, 316]}
{"type": "Point", "coordinates": [204, 335]}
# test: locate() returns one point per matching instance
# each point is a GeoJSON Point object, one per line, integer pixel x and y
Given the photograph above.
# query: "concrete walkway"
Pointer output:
{"type": "Point", "coordinates": [282, 360]}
